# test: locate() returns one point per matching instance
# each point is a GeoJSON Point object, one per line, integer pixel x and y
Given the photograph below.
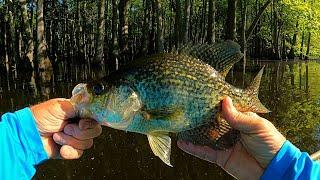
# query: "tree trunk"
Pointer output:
{"type": "Point", "coordinates": [294, 43]}
{"type": "Point", "coordinates": [100, 34]}
{"type": "Point", "coordinates": [211, 22]}
{"type": "Point", "coordinates": [115, 45]}
{"type": "Point", "coordinates": [256, 20]}
{"type": "Point", "coordinates": [203, 21]}
{"type": "Point", "coordinates": [302, 44]}
{"type": "Point", "coordinates": [275, 33]}
{"type": "Point", "coordinates": [123, 30]}
{"type": "Point", "coordinates": [243, 38]}
{"type": "Point", "coordinates": [177, 23]}
{"type": "Point", "coordinates": [79, 30]}
{"type": "Point", "coordinates": [186, 21]}
{"type": "Point", "coordinates": [308, 46]}
{"type": "Point", "coordinates": [159, 34]}
{"type": "Point", "coordinates": [145, 29]}
{"type": "Point", "coordinates": [44, 62]}
{"type": "Point", "coordinates": [231, 20]}
{"type": "Point", "coordinates": [13, 42]}
{"type": "Point", "coordinates": [152, 34]}
{"type": "Point", "coordinates": [28, 32]}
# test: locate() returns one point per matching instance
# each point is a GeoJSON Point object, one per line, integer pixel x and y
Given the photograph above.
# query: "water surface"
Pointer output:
{"type": "Point", "coordinates": [291, 90]}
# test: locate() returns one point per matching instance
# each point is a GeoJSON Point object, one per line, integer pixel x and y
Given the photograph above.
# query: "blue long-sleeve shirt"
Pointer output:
{"type": "Point", "coordinates": [291, 163]}
{"type": "Point", "coordinates": [21, 147]}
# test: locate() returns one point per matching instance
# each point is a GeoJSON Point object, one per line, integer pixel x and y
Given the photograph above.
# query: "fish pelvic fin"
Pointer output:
{"type": "Point", "coordinates": [252, 91]}
{"type": "Point", "coordinates": [160, 144]}
{"type": "Point", "coordinates": [217, 134]}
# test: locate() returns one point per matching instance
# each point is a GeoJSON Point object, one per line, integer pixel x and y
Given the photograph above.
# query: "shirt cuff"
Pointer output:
{"type": "Point", "coordinates": [281, 162]}
{"type": "Point", "coordinates": [30, 135]}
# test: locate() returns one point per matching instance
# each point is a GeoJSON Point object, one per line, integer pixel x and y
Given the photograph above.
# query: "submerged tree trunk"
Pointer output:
{"type": "Point", "coordinates": [123, 29]}
{"type": "Point", "coordinates": [44, 62]}
{"type": "Point", "coordinates": [159, 34]}
{"type": "Point", "coordinates": [302, 44]}
{"type": "Point", "coordinates": [177, 23]}
{"type": "Point", "coordinates": [28, 32]}
{"type": "Point", "coordinates": [145, 29]}
{"type": "Point", "coordinates": [100, 34]}
{"type": "Point", "coordinates": [12, 26]}
{"type": "Point", "coordinates": [257, 18]}
{"type": "Point", "coordinates": [308, 46]}
{"type": "Point", "coordinates": [243, 37]}
{"type": "Point", "coordinates": [114, 44]}
{"type": "Point", "coordinates": [275, 32]}
{"type": "Point", "coordinates": [186, 20]}
{"type": "Point", "coordinates": [231, 20]}
{"type": "Point", "coordinates": [294, 43]}
{"type": "Point", "coordinates": [211, 22]}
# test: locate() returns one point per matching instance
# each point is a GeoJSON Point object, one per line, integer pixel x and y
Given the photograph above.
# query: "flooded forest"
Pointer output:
{"type": "Point", "coordinates": [49, 34]}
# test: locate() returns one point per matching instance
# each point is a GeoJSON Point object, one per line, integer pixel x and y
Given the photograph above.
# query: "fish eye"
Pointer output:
{"type": "Point", "coordinates": [98, 88]}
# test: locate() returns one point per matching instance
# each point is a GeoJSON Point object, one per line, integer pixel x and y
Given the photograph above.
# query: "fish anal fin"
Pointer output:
{"type": "Point", "coordinates": [160, 144]}
{"type": "Point", "coordinates": [217, 134]}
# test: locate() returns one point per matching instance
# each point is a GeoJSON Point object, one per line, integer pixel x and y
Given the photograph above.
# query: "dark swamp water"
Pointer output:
{"type": "Point", "coordinates": [291, 90]}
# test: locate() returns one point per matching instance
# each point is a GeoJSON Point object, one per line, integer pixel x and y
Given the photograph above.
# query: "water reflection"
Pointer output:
{"type": "Point", "coordinates": [291, 90]}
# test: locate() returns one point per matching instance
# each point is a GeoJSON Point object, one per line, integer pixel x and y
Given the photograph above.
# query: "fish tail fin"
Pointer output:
{"type": "Point", "coordinates": [253, 91]}
{"type": "Point", "coordinates": [217, 134]}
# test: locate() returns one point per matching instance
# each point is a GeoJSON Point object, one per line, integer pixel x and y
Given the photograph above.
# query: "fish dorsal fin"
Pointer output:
{"type": "Point", "coordinates": [160, 144]}
{"type": "Point", "coordinates": [254, 86]}
{"type": "Point", "coordinates": [253, 91]}
{"type": "Point", "coordinates": [225, 72]}
{"type": "Point", "coordinates": [220, 55]}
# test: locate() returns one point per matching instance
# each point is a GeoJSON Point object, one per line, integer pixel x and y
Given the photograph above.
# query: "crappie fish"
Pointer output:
{"type": "Point", "coordinates": [171, 93]}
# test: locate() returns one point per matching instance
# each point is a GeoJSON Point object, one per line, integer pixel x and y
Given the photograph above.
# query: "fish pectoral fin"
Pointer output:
{"type": "Point", "coordinates": [160, 144]}
{"type": "Point", "coordinates": [166, 113]}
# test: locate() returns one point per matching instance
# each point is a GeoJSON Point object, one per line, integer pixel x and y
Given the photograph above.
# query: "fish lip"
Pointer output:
{"type": "Point", "coordinates": [79, 88]}
{"type": "Point", "coordinates": [80, 100]}
{"type": "Point", "coordinates": [80, 94]}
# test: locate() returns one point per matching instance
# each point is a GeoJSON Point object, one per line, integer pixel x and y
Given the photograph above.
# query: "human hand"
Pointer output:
{"type": "Point", "coordinates": [52, 122]}
{"type": "Point", "coordinates": [247, 159]}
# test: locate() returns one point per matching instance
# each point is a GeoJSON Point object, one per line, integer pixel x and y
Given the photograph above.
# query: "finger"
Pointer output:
{"type": "Point", "coordinates": [64, 139]}
{"type": "Point", "coordinates": [69, 152]}
{"type": "Point", "coordinates": [75, 131]}
{"type": "Point", "coordinates": [240, 121]}
{"type": "Point", "coordinates": [202, 152]}
{"type": "Point", "coordinates": [88, 124]}
{"type": "Point", "coordinates": [63, 106]}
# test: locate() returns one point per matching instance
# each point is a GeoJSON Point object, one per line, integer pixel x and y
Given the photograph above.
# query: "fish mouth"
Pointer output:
{"type": "Point", "coordinates": [80, 99]}
{"type": "Point", "coordinates": [80, 94]}
{"type": "Point", "coordinates": [80, 88]}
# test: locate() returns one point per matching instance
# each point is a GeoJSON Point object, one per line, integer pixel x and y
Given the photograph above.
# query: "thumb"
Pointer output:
{"type": "Point", "coordinates": [238, 120]}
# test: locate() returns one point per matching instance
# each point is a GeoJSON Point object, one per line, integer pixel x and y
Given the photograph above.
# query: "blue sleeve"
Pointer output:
{"type": "Point", "coordinates": [291, 163]}
{"type": "Point", "coordinates": [21, 147]}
